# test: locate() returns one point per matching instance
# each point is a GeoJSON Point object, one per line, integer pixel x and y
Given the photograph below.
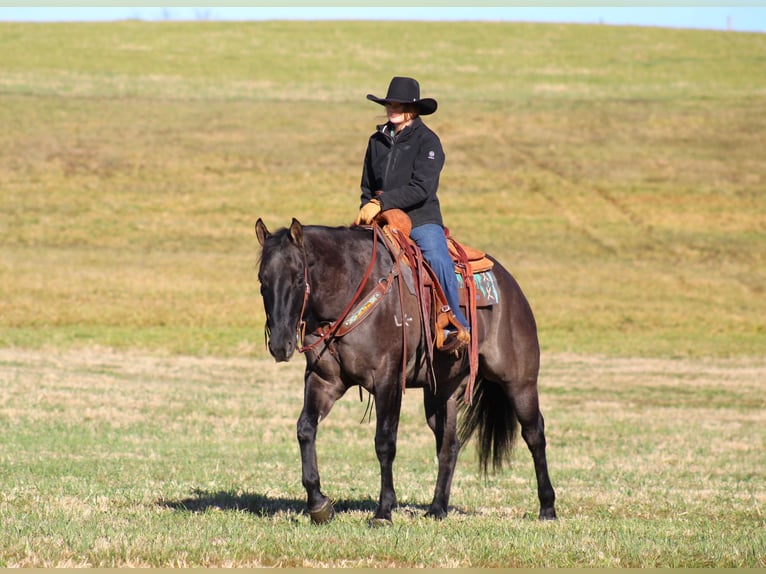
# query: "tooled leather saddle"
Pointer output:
{"type": "Point", "coordinates": [475, 280]}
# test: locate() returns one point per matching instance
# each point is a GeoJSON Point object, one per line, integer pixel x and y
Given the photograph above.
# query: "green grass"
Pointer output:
{"type": "Point", "coordinates": [617, 171]}
{"type": "Point", "coordinates": [125, 459]}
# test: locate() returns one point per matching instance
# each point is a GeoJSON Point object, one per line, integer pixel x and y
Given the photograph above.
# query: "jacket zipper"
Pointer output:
{"type": "Point", "coordinates": [390, 156]}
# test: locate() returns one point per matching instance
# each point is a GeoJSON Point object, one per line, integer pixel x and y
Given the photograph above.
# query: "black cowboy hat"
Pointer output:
{"type": "Point", "coordinates": [406, 91]}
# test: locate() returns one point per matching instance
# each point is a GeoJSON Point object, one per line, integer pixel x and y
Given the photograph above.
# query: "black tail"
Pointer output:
{"type": "Point", "coordinates": [492, 413]}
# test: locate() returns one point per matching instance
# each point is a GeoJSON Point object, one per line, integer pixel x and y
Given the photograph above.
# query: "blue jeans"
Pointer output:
{"type": "Point", "coordinates": [433, 243]}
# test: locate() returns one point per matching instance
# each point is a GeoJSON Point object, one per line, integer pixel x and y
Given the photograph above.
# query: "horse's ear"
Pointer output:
{"type": "Point", "coordinates": [261, 232]}
{"type": "Point", "coordinates": [296, 232]}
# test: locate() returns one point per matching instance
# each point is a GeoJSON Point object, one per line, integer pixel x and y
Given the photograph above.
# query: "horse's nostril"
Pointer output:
{"type": "Point", "coordinates": [282, 353]}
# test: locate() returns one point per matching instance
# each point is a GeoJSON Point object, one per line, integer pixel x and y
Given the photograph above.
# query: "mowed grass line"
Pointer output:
{"type": "Point", "coordinates": [125, 459]}
{"type": "Point", "coordinates": [616, 171]}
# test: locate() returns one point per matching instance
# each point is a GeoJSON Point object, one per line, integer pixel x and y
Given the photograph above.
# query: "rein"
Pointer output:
{"type": "Point", "coordinates": [335, 325]}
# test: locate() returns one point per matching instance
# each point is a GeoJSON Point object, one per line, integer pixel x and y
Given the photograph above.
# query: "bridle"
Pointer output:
{"type": "Point", "coordinates": [348, 320]}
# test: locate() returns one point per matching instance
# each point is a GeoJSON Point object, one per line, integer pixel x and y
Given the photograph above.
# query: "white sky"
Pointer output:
{"type": "Point", "coordinates": [737, 18]}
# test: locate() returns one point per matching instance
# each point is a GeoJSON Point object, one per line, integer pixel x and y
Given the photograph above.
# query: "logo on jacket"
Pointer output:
{"type": "Point", "coordinates": [431, 154]}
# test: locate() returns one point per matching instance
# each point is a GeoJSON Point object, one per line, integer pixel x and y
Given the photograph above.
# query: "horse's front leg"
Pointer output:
{"type": "Point", "coordinates": [441, 416]}
{"type": "Point", "coordinates": [319, 397]}
{"type": "Point", "coordinates": [388, 404]}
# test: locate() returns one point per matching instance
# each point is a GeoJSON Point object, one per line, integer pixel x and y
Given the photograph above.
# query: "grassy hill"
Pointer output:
{"type": "Point", "coordinates": [617, 171]}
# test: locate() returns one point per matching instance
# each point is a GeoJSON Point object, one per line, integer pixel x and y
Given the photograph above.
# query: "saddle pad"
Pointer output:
{"type": "Point", "coordinates": [486, 289]}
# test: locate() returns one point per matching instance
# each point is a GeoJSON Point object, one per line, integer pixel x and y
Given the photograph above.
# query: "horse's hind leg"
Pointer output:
{"type": "Point", "coordinates": [527, 408]}
{"type": "Point", "coordinates": [318, 400]}
{"type": "Point", "coordinates": [441, 416]}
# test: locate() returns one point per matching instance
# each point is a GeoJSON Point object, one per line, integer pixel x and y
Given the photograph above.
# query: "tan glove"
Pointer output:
{"type": "Point", "coordinates": [368, 212]}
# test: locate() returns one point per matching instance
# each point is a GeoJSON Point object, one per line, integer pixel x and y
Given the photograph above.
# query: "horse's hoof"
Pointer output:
{"type": "Point", "coordinates": [548, 514]}
{"type": "Point", "coordinates": [438, 514]}
{"type": "Point", "coordinates": [323, 514]}
{"type": "Point", "coordinates": [380, 522]}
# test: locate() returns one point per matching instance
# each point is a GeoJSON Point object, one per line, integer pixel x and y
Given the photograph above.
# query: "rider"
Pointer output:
{"type": "Point", "coordinates": [401, 170]}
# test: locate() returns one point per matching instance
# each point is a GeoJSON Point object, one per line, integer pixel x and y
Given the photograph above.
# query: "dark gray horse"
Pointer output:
{"type": "Point", "coordinates": [310, 275]}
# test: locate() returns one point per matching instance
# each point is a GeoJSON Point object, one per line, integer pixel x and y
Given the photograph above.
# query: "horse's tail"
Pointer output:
{"type": "Point", "coordinates": [493, 415]}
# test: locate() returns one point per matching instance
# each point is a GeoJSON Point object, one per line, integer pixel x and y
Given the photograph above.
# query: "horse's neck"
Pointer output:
{"type": "Point", "coordinates": [336, 268]}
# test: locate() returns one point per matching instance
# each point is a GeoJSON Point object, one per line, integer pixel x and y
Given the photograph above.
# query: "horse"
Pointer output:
{"type": "Point", "coordinates": [310, 275]}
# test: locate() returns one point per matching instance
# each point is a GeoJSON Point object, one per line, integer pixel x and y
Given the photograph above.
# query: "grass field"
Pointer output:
{"type": "Point", "coordinates": [126, 459]}
{"type": "Point", "coordinates": [618, 172]}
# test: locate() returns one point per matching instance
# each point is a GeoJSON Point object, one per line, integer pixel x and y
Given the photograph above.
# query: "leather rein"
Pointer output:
{"type": "Point", "coordinates": [332, 331]}
{"type": "Point", "coordinates": [343, 324]}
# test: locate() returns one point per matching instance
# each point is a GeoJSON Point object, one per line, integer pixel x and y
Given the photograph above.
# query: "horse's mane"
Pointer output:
{"type": "Point", "coordinates": [312, 229]}
{"type": "Point", "coordinates": [323, 238]}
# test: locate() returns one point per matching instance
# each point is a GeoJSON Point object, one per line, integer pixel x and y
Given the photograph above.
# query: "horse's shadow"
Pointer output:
{"type": "Point", "coordinates": [262, 505]}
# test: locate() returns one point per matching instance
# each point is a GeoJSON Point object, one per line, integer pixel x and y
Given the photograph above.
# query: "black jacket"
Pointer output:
{"type": "Point", "coordinates": [406, 170]}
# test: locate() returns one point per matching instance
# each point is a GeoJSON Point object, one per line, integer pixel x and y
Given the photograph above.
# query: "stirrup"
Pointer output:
{"type": "Point", "coordinates": [455, 340]}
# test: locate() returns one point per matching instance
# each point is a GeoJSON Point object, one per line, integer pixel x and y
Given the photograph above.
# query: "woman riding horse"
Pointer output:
{"type": "Point", "coordinates": [401, 171]}
{"type": "Point", "coordinates": [312, 278]}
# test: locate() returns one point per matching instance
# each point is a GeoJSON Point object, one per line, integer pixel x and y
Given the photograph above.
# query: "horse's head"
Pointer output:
{"type": "Point", "coordinates": [282, 274]}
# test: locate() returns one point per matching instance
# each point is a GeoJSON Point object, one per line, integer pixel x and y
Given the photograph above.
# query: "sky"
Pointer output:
{"type": "Point", "coordinates": [740, 18]}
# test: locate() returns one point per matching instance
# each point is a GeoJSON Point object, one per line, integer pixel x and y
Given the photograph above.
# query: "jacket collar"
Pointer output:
{"type": "Point", "coordinates": [388, 130]}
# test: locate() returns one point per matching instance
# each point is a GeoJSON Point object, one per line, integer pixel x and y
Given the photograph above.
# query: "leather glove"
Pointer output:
{"type": "Point", "coordinates": [368, 212]}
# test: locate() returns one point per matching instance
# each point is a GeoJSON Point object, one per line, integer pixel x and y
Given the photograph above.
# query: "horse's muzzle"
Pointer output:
{"type": "Point", "coordinates": [282, 352]}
